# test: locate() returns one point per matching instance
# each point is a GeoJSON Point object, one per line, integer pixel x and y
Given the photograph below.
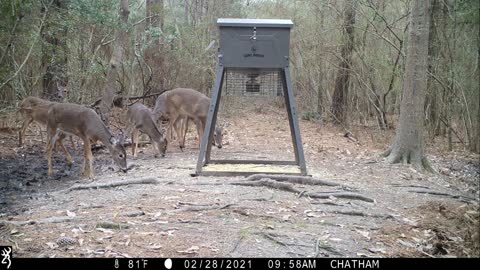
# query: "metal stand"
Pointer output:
{"type": "Point", "coordinates": [206, 146]}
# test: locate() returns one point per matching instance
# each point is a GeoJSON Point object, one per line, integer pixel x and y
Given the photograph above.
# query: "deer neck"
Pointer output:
{"type": "Point", "coordinates": [104, 135]}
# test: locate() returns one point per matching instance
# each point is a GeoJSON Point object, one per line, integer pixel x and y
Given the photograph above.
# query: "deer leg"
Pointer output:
{"type": "Point", "coordinates": [87, 158]}
{"type": "Point", "coordinates": [71, 142]}
{"type": "Point", "coordinates": [134, 142]}
{"type": "Point", "coordinates": [69, 158]}
{"type": "Point", "coordinates": [40, 131]}
{"type": "Point", "coordinates": [51, 138]}
{"type": "Point", "coordinates": [184, 133]}
{"type": "Point", "coordinates": [21, 136]}
{"type": "Point", "coordinates": [199, 125]}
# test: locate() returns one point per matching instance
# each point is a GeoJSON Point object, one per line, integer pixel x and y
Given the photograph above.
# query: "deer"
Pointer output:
{"type": "Point", "coordinates": [34, 109]}
{"type": "Point", "coordinates": [182, 104]}
{"type": "Point", "coordinates": [83, 122]}
{"type": "Point", "coordinates": [140, 119]}
{"type": "Point", "coordinates": [181, 128]}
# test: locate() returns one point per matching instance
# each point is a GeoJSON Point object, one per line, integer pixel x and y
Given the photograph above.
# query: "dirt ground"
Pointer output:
{"type": "Point", "coordinates": [208, 217]}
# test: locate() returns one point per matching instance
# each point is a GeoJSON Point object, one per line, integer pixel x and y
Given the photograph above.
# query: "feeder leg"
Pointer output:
{"type": "Point", "coordinates": [205, 147]}
{"type": "Point", "coordinates": [293, 120]}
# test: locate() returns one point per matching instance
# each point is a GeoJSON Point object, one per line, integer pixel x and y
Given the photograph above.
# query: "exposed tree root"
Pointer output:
{"type": "Point", "coordinates": [409, 157]}
{"type": "Point", "coordinates": [268, 183]}
{"type": "Point", "coordinates": [141, 181]}
{"type": "Point", "coordinates": [289, 187]}
{"type": "Point", "coordinates": [344, 195]}
{"type": "Point", "coordinates": [296, 179]}
{"type": "Point", "coordinates": [460, 197]}
{"type": "Point", "coordinates": [361, 214]}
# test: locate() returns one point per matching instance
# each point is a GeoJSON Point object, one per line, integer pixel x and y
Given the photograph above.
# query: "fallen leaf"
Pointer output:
{"type": "Point", "coordinates": [52, 245]}
{"type": "Point", "coordinates": [71, 214]}
{"type": "Point", "coordinates": [377, 250]}
{"type": "Point", "coordinates": [364, 234]}
{"type": "Point", "coordinates": [406, 243]}
{"type": "Point", "coordinates": [191, 250]}
{"type": "Point", "coordinates": [154, 246]}
{"type": "Point", "coordinates": [105, 230]}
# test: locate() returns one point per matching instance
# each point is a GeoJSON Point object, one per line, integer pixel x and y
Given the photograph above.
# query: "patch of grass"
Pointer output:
{"type": "Point", "coordinates": [311, 116]}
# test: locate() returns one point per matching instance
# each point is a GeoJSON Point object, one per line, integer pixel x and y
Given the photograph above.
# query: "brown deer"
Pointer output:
{"type": "Point", "coordinates": [183, 102]}
{"type": "Point", "coordinates": [85, 123]}
{"type": "Point", "coordinates": [181, 128]}
{"type": "Point", "coordinates": [140, 120]}
{"type": "Point", "coordinates": [34, 109]}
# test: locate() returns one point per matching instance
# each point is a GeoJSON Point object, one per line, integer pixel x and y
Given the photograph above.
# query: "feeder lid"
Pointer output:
{"type": "Point", "coordinates": [255, 22]}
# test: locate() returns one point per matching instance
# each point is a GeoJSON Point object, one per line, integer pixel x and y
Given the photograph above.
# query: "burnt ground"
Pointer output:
{"type": "Point", "coordinates": [207, 217]}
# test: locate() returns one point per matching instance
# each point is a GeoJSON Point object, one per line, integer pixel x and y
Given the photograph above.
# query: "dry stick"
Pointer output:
{"type": "Point", "coordinates": [41, 221]}
{"type": "Point", "coordinates": [236, 244]}
{"type": "Point", "coordinates": [205, 208]}
{"type": "Point", "coordinates": [304, 180]}
{"type": "Point", "coordinates": [141, 181]}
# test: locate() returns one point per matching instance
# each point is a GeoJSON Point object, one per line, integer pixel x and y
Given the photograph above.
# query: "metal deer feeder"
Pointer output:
{"type": "Point", "coordinates": [253, 60]}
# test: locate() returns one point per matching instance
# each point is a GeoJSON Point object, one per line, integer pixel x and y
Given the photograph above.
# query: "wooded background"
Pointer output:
{"type": "Point", "coordinates": [348, 57]}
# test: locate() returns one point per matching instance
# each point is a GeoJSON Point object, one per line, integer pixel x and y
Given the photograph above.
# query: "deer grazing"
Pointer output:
{"type": "Point", "coordinates": [181, 128]}
{"type": "Point", "coordinates": [178, 107]}
{"type": "Point", "coordinates": [86, 124]}
{"type": "Point", "coordinates": [34, 109]}
{"type": "Point", "coordinates": [140, 120]}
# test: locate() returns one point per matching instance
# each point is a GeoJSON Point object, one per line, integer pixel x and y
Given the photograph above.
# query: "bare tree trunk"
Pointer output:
{"type": "Point", "coordinates": [115, 66]}
{"type": "Point", "coordinates": [408, 145]}
{"type": "Point", "coordinates": [154, 54]}
{"type": "Point", "coordinates": [54, 51]}
{"type": "Point", "coordinates": [431, 102]}
{"type": "Point", "coordinates": [320, 13]}
{"type": "Point", "coordinates": [340, 95]}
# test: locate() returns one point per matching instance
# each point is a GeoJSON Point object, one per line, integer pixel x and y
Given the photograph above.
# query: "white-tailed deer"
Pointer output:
{"type": "Point", "coordinates": [85, 123]}
{"type": "Point", "coordinates": [182, 102]}
{"type": "Point", "coordinates": [181, 128]}
{"type": "Point", "coordinates": [140, 120]}
{"type": "Point", "coordinates": [35, 109]}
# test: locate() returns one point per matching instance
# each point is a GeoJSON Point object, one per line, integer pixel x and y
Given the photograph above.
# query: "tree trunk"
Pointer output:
{"type": "Point", "coordinates": [320, 13]}
{"type": "Point", "coordinates": [431, 102]}
{"type": "Point", "coordinates": [408, 144]}
{"type": "Point", "coordinates": [54, 51]}
{"type": "Point", "coordinates": [115, 66]}
{"type": "Point", "coordinates": [154, 53]}
{"type": "Point", "coordinates": [340, 95]}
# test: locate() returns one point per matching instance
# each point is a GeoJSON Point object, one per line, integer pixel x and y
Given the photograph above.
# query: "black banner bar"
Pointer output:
{"type": "Point", "coordinates": [239, 263]}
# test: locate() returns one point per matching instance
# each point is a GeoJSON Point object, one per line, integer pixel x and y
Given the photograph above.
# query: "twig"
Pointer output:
{"type": "Point", "coordinates": [206, 208]}
{"type": "Point", "coordinates": [236, 244]}
{"type": "Point", "coordinates": [41, 221]}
